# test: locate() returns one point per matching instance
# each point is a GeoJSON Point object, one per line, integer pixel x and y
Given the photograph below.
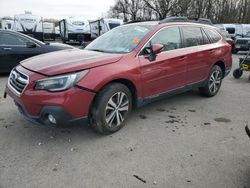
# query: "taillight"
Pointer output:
{"type": "Point", "coordinates": [229, 47]}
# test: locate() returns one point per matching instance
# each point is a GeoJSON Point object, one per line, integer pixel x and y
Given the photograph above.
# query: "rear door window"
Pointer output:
{"type": "Point", "coordinates": [192, 36]}
{"type": "Point", "coordinates": [213, 35]}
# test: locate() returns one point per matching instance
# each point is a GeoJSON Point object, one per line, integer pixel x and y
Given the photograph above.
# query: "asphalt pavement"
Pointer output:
{"type": "Point", "coordinates": [184, 141]}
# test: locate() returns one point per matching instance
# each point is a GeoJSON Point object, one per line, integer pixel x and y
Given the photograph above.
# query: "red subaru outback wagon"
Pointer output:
{"type": "Point", "coordinates": [128, 66]}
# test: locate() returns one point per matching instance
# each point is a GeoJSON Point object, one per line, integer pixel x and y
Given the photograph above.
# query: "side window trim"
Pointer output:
{"type": "Point", "coordinates": [209, 38]}
{"type": "Point", "coordinates": [204, 33]}
{"type": "Point", "coordinates": [182, 37]}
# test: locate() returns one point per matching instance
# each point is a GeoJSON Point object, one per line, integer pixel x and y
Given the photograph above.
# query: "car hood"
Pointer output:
{"type": "Point", "coordinates": [66, 61]}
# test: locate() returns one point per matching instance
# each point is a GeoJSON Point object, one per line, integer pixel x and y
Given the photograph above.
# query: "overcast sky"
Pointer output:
{"type": "Point", "coordinates": [91, 9]}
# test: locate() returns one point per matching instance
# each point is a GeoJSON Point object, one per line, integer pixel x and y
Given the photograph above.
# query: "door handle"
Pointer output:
{"type": "Point", "coordinates": [182, 58]}
{"type": "Point", "coordinates": [7, 49]}
{"type": "Point", "coordinates": [210, 51]}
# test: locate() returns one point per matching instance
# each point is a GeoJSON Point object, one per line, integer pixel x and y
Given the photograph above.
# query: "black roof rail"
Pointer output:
{"type": "Point", "coordinates": [136, 21]}
{"type": "Point", "coordinates": [186, 19]}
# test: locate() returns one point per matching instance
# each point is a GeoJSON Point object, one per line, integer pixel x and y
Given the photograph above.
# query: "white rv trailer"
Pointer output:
{"type": "Point", "coordinates": [29, 24]}
{"type": "Point", "coordinates": [74, 29]}
{"type": "Point", "coordinates": [103, 25]}
{"type": "Point", "coordinates": [49, 31]}
{"type": "Point", "coordinates": [6, 23]}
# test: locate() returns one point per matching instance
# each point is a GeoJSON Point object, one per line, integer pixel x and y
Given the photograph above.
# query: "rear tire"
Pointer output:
{"type": "Point", "coordinates": [237, 73]}
{"type": "Point", "coordinates": [111, 108]}
{"type": "Point", "coordinates": [213, 83]}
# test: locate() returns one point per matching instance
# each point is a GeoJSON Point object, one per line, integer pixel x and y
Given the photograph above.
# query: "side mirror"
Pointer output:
{"type": "Point", "coordinates": [30, 45]}
{"type": "Point", "coordinates": [155, 49]}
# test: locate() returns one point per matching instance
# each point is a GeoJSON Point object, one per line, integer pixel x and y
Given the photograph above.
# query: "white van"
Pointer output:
{"type": "Point", "coordinates": [74, 29]}
{"type": "Point", "coordinates": [103, 25]}
{"type": "Point", "coordinates": [49, 31]}
{"type": "Point", "coordinates": [230, 28]}
{"type": "Point", "coordinates": [242, 30]}
{"type": "Point", "coordinates": [29, 24]}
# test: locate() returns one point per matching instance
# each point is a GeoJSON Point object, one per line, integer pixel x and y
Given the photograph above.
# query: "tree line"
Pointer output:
{"type": "Point", "coordinates": [219, 11]}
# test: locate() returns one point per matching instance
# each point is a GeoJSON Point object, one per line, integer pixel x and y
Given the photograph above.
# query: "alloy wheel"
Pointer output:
{"type": "Point", "coordinates": [117, 109]}
{"type": "Point", "coordinates": [215, 81]}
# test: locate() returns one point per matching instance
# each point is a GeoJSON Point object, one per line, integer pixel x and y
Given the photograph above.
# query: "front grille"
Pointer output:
{"type": "Point", "coordinates": [242, 42]}
{"type": "Point", "coordinates": [18, 81]}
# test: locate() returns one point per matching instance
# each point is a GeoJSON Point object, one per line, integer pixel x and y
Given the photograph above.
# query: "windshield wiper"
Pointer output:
{"type": "Point", "coordinates": [110, 52]}
{"type": "Point", "coordinates": [97, 50]}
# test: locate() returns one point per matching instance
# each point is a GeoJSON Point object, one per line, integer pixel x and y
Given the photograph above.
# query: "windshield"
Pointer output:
{"type": "Point", "coordinates": [121, 39]}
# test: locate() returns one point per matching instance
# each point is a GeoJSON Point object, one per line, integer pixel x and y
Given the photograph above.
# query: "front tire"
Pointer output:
{"type": "Point", "coordinates": [213, 82]}
{"type": "Point", "coordinates": [111, 108]}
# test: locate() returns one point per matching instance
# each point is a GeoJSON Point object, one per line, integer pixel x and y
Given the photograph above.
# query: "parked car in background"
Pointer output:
{"type": "Point", "coordinates": [15, 47]}
{"type": "Point", "coordinates": [230, 28]}
{"type": "Point", "coordinates": [242, 30]}
{"type": "Point", "coordinates": [128, 66]}
{"type": "Point", "coordinates": [242, 44]}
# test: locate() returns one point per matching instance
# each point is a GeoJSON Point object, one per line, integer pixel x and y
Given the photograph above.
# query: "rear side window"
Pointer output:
{"type": "Point", "coordinates": [192, 36]}
{"type": "Point", "coordinates": [10, 39]}
{"type": "Point", "coordinates": [213, 35]}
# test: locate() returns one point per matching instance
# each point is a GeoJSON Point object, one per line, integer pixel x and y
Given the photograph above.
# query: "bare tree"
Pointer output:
{"type": "Point", "coordinates": [219, 11]}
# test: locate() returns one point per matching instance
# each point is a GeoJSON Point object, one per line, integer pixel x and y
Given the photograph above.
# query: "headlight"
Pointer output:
{"type": "Point", "coordinates": [60, 83]}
